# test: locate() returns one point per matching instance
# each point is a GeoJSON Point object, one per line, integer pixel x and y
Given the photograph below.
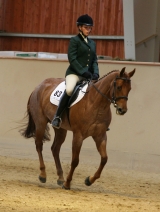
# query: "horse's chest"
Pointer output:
{"type": "Point", "coordinates": [103, 116]}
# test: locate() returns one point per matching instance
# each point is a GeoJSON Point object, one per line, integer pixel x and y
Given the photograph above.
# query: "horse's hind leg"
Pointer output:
{"type": "Point", "coordinates": [60, 135]}
{"type": "Point", "coordinates": [39, 147]}
{"type": "Point", "coordinates": [101, 147]}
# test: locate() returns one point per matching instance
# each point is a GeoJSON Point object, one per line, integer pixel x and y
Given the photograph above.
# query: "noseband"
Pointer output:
{"type": "Point", "coordinates": [114, 98]}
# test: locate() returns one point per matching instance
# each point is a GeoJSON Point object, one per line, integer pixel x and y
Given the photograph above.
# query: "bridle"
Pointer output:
{"type": "Point", "coordinates": [114, 99]}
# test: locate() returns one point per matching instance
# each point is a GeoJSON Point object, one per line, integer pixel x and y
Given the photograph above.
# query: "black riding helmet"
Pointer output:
{"type": "Point", "coordinates": [85, 20]}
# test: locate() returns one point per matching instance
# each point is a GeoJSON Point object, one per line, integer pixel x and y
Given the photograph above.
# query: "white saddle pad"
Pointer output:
{"type": "Point", "coordinates": [59, 90]}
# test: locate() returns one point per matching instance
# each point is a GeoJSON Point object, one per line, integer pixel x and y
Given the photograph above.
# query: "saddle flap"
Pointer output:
{"type": "Point", "coordinates": [79, 87]}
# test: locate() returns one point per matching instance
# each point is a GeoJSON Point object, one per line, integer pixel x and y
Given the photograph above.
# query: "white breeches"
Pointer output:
{"type": "Point", "coordinates": [71, 81]}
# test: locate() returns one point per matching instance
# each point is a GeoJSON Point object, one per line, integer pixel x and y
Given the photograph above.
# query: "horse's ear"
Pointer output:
{"type": "Point", "coordinates": [122, 71]}
{"type": "Point", "coordinates": [131, 73]}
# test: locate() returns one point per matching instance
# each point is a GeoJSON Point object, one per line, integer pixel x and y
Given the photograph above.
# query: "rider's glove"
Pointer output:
{"type": "Point", "coordinates": [95, 76]}
{"type": "Point", "coordinates": [87, 75]}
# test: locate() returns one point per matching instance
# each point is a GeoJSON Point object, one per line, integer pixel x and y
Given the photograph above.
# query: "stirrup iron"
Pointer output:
{"type": "Point", "coordinates": [59, 122]}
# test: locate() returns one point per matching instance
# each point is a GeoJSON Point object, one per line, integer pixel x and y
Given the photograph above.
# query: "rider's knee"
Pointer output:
{"type": "Point", "coordinates": [69, 92]}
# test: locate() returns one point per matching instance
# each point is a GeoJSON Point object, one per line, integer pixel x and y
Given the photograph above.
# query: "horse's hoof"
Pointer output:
{"type": "Point", "coordinates": [65, 187]}
{"type": "Point", "coordinates": [60, 182]}
{"type": "Point", "coordinates": [42, 179]}
{"type": "Point", "coordinates": [87, 182]}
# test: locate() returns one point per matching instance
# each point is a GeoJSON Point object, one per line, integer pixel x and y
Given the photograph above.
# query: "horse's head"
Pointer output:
{"type": "Point", "coordinates": [120, 91]}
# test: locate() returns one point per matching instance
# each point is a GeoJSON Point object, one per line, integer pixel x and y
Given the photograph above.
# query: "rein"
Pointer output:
{"type": "Point", "coordinates": [114, 98]}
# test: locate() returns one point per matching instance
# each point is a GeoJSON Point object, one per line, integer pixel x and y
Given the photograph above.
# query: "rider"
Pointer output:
{"type": "Point", "coordinates": [83, 63]}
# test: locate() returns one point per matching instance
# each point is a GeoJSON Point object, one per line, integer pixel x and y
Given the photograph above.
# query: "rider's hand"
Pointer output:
{"type": "Point", "coordinates": [87, 75]}
{"type": "Point", "coordinates": [95, 76]}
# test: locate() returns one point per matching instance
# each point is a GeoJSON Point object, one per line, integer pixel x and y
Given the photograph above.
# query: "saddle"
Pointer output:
{"type": "Point", "coordinates": [79, 86]}
{"type": "Point", "coordinates": [77, 94]}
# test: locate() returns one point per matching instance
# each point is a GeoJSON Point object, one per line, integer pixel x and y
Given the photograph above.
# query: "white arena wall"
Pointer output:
{"type": "Point", "coordinates": [133, 139]}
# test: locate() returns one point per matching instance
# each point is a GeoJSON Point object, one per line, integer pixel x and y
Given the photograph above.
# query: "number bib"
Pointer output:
{"type": "Point", "coordinates": [59, 90]}
{"type": "Point", "coordinates": [57, 93]}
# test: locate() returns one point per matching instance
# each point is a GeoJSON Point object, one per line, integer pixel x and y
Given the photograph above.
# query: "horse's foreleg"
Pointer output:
{"type": "Point", "coordinates": [76, 147]}
{"type": "Point", "coordinates": [60, 135]}
{"type": "Point", "coordinates": [39, 148]}
{"type": "Point", "coordinates": [101, 147]}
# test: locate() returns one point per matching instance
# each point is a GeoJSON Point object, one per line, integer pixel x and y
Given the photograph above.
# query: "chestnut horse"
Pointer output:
{"type": "Point", "coordinates": [89, 117]}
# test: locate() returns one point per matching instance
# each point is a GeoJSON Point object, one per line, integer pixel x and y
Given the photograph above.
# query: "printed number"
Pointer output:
{"type": "Point", "coordinates": [58, 93]}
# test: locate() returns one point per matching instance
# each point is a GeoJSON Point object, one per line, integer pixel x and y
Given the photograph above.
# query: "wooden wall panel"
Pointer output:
{"type": "Point", "coordinates": [59, 17]}
{"type": "Point", "coordinates": [2, 11]}
{"type": "Point", "coordinates": [1, 14]}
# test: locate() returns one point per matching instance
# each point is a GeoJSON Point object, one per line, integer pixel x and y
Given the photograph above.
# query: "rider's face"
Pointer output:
{"type": "Point", "coordinates": [85, 29]}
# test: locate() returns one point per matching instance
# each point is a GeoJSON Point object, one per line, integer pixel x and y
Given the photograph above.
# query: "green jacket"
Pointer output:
{"type": "Point", "coordinates": [82, 56]}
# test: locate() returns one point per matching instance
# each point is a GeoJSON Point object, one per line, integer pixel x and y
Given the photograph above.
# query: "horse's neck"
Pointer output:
{"type": "Point", "coordinates": [106, 81]}
{"type": "Point", "coordinates": [104, 86]}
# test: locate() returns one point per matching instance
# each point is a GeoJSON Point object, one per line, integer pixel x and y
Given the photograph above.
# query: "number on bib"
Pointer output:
{"type": "Point", "coordinates": [58, 93]}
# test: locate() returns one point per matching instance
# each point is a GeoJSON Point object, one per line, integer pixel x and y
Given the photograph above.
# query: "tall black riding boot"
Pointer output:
{"type": "Point", "coordinates": [56, 122]}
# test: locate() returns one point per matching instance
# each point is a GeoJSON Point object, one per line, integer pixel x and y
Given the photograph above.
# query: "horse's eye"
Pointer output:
{"type": "Point", "coordinates": [119, 88]}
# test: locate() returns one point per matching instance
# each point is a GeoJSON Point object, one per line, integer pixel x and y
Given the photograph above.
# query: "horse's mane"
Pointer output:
{"type": "Point", "coordinates": [107, 74]}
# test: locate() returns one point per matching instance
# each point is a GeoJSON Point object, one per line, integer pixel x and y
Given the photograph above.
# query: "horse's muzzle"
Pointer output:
{"type": "Point", "coordinates": [120, 111]}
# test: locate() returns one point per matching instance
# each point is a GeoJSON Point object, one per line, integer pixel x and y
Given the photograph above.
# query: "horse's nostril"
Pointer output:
{"type": "Point", "coordinates": [121, 111]}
